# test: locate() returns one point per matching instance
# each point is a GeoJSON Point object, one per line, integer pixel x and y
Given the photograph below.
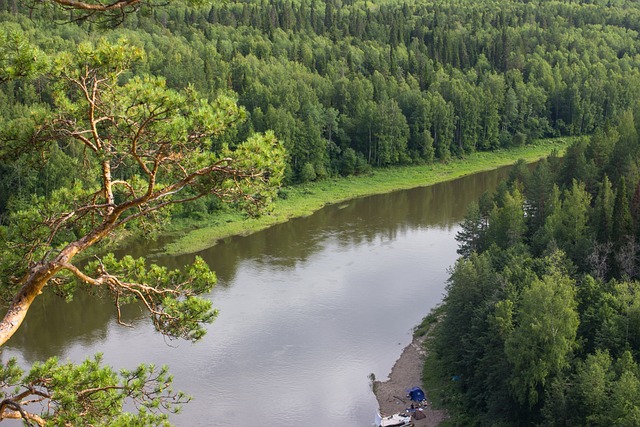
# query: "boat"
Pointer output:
{"type": "Point", "coordinates": [395, 420]}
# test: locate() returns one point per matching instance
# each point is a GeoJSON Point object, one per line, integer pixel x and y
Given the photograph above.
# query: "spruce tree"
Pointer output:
{"type": "Point", "coordinates": [622, 226]}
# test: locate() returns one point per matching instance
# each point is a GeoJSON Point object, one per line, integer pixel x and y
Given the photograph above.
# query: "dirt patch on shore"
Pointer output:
{"type": "Point", "coordinates": [406, 373]}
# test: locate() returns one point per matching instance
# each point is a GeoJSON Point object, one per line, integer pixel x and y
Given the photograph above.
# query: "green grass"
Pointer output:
{"type": "Point", "coordinates": [303, 200]}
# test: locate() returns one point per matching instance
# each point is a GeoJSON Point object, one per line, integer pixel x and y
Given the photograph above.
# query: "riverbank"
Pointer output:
{"type": "Point", "coordinates": [191, 236]}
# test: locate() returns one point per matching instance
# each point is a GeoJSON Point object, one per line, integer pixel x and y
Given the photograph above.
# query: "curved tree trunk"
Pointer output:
{"type": "Point", "coordinates": [33, 283]}
{"type": "Point", "coordinates": [38, 276]}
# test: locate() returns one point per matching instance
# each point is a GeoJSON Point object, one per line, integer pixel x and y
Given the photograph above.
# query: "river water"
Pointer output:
{"type": "Point", "coordinates": [308, 310]}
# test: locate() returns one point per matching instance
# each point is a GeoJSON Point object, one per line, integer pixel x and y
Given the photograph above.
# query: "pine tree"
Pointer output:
{"type": "Point", "coordinates": [472, 233]}
{"type": "Point", "coordinates": [622, 222]}
{"type": "Point", "coordinates": [603, 221]}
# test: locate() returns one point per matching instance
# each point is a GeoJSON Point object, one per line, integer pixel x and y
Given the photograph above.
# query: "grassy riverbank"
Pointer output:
{"type": "Point", "coordinates": [303, 200]}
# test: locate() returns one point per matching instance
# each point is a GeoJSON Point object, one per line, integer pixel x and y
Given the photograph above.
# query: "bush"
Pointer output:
{"type": "Point", "coordinates": [308, 173]}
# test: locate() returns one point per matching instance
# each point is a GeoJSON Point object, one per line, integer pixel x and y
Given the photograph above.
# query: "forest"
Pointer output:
{"type": "Point", "coordinates": [347, 86]}
{"type": "Point", "coordinates": [540, 322]}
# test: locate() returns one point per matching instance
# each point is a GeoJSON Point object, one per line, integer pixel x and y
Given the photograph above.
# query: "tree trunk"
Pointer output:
{"type": "Point", "coordinates": [39, 274]}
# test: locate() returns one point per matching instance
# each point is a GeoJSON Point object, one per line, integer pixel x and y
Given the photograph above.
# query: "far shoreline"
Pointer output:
{"type": "Point", "coordinates": [191, 236]}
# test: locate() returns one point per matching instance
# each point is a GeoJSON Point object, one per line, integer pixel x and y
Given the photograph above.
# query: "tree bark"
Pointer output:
{"type": "Point", "coordinates": [34, 281]}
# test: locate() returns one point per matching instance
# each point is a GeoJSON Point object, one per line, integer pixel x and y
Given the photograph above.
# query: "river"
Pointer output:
{"type": "Point", "coordinates": [308, 310]}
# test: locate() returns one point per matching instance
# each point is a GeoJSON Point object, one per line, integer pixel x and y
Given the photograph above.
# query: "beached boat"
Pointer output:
{"type": "Point", "coordinates": [395, 420]}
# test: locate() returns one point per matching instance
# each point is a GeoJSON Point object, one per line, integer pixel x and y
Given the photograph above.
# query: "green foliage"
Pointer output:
{"type": "Point", "coordinates": [472, 235]}
{"type": "Point", "coordinates": [507, 222]}
{"type": "Point", "coordinates": [263, 157]}
{"type": "Point", "coordinates": [18, 58]}
{"type": "Point", "coordinates": [172, 297]}
{"type": "Point", "coordinates": [604, 210]}
{"type": "Point", "coordinates": [471, 280]}
{"type": "Point", "coordinates": [622, 222]}
{"type": "Point", "coordinates": [115, 150]}
{"type": "Point", "coordinates": [541, 344]}
{"type": "Point", "coordinates": [568, 227]}
{"type": "Point", "coordinates": [606, 390]}
{"type": "Point", "coordinates": [92, 394]}
{"type": "Point", "coordinates": [552, 338]}
{"type": "Point", "coordinates": [501, 76]}
{"type": "Point", "coordinates": [538, 191]}
{"type": "Point", "coordinates": [346, 87]}
{"type": "Point", "coordinates": [308, 173]}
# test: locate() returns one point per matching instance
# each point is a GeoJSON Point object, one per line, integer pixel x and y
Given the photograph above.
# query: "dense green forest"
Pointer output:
{"type": "Point", "coordinates": [347, 86]}
{"type": "Point", "coordinates": [541, 318]}
{"type": "Point", "coordinates": [541, 324]}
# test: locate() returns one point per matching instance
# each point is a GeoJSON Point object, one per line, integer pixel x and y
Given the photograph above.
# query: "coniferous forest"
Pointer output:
{"type": "Point", "coordinates": [347, 86]}
{"type": "Point", "coordinates": [542, 318]}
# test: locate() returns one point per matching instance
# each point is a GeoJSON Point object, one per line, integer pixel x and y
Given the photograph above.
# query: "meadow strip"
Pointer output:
{"type": "Point", "coordinates": [303, 200]}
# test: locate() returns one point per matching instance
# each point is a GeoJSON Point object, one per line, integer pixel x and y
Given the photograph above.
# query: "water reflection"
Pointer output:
{"type": "Point", "coordinates": [355, 222]}
{"type": "Point", "coordinates": [52, 325]}
{"type": "Point", "coordinates": [308, 309]}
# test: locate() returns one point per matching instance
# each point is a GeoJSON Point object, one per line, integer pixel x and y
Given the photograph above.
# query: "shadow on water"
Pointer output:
{"type": "Point", "coordinates": [300, 302]}
{"type": "Point", "coordinates": [379, 217]}
{"type": "Point", "coordinates": [52, 323]}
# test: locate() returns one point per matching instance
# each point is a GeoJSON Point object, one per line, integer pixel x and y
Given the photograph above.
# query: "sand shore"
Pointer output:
{"type": "Point", "coordinates": [406, 373]}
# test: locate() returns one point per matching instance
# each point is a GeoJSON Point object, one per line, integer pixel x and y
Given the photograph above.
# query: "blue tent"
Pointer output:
{"type": "Point", "coordinates": [416, 394]}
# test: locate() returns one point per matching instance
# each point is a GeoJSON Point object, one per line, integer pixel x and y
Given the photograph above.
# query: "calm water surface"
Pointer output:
{"type": "Point", "coordinates": [308, 309]}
